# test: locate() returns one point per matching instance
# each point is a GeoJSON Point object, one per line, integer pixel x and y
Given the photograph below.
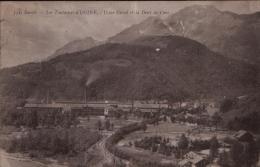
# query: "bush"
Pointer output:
{"type": "Point", "coordinates": [198, 145]}
{"type": "Point", "coordinates": [34, 118]}
{"type": "Point", "coordinates": [250, 122]}
{"type": "Point", "coordinates": [54, 141]}
{"type": "Point", "coordinates": [227, 104]}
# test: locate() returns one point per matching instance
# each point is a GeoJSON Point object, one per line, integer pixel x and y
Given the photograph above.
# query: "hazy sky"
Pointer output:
{"type": "Point", "coordinates": [31, 37]}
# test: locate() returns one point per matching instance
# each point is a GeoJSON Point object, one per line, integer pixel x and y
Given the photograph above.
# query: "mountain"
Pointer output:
{"type": "Point", "coordinates": [76, 46]}
{"type": "Point", "coordinates": [148, 68]}
{"type": "Point", "coordinates": [232, 35]}
{"type": "Point", "coordinates": [151, 26]}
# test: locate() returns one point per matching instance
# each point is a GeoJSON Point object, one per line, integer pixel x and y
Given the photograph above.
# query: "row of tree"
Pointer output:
{"type": "Point", "coordinates": [35, 118]}
{"type": "Point", "coordinates": [241, 154]}
{"type": "Point", "coordinates": [249, 122]}
{"type": "Point", "coordinates": [155, 144]}
{"type": "Point", "coordinates": [49, 142]}
{"type": "Point", "coordinates": [163, 146]}
{"type": "Point", "coordinates": [107, 125]}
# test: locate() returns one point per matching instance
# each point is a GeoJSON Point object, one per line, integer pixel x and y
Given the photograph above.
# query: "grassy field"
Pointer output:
{"type": "Point", "coordinates": [165, 129]}
{"type": "Point", "coordinates": [91, 123]}
{"type": "Point", "coordinates": [208, 133]}
{"type": "Point", "coordinates": [173, 131]}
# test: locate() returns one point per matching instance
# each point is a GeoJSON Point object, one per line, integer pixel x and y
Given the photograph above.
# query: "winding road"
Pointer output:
{"type": "Point", "coordinates": [100, 147]}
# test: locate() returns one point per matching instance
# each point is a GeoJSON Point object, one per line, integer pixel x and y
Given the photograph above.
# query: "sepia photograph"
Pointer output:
{"type": "Point", "coordinates": [130, 84]}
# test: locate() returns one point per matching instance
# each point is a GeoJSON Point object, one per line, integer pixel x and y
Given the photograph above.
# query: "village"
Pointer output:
{"type": "Point", "coordinates": [185, 134]}
{"type": "Point", "coordinates": [130, 84]}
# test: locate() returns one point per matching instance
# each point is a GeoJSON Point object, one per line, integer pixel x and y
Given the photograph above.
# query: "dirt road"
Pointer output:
{"type": "Point", "coordinates": [107, 157]}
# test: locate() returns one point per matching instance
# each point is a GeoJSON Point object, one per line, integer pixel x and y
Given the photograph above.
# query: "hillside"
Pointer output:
{"type": "Point", "coordinates": [232, 35]}
{"type": "Point", "coordinates": [244, 113]}
{"type": "Point", "coordinates": [151, 67]}
{"type": "Point", "coordinates": [76, 46]}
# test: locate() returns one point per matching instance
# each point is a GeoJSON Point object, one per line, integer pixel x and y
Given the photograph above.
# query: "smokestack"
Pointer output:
{"type": "Point", "coordinates": [85, 95]}
{"type": "Point", "coordinates": [47, 96]}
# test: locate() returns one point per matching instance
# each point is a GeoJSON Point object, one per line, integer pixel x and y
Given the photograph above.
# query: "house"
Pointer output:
{"type": "Point", "coordinates": [222, 150]}
{"type": "Point", "coordinates": [205, 153]}
{"type": "Point", "coordinates": [211, 108]}
{"type": "Point", "coordinates": [193, 159]}
{"type": "Point", "coordinates": [185, 163]}
{"type": "Point", "coordinates": [189, 115]}
{"type": "Point", "coordinates": [106, 112]}
{"type": "Point", "coordinates": [244, 136]}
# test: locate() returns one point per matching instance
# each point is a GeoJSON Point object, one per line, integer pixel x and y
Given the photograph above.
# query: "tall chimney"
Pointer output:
{"type": "Point", "coordinates": [85, 95]}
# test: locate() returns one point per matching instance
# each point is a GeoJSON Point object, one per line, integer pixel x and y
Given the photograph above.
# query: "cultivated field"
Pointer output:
{"type": "Point", "coordinates": [174, 130]}
{"type": "Point", "coordinates": [92, 122]}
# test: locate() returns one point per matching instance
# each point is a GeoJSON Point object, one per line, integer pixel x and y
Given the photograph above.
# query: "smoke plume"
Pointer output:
{"type": "Point", "coordinates": [93, 76]}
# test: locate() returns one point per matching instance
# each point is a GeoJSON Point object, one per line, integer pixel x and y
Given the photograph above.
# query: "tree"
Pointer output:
{"type": "Point", "coordinates": [245, 154]}
{"type": "Point", "coordinates": [224, 159]}
{"type": "Point", "coordinates": [112, 126]}
{"type": "Point", "coordinates": [183, 142]}
{"type": "Point", "coordinates": [67, 121]}
{"type": "Point", "coordinates": [31, 119]}
{"type": "Point", "coordinates": [99, 124]}
{"type": "Point", "coordinates": [161, 148]}
{"type": "Point", "coordinates": [156, 121]}
{"type": "Point", "coordinates": [107, 124]}
{"type": "Point", "coordinates": [216, 118]}
{"type": "Point", "coordinates": [34, 119]}
{"type": "Point", "coordinates": [258, 143]}
{"type": "Point", "coordinates": [154, 147]}
{"type": "Point", "coordinates": [172, 119]}
{"type": "Point", "coordinates": [213, 148]}
{"type": "Point", "coordinates": [181, 95]}
{"type": "Point", "coordinates": [251, 153]}
{"type": "Point", "coordinates": [235, 153]}
{"type": "Point", "coordinates": [144, 127]}
{"type": "Point", "coordinates": [118, 113]}
{"type": "Point", "coordinates": [227, 104]}
{"type": "Point", "coordinates": [126, 116]}
{"type": "Point", "coordinates": [165, 118]}
{"type": "Point", "coordinates": [55, 143]}
{"type": "Point", "coordinates": [119, 163]}
{"type": "Point", "coordinates": [50, 119]}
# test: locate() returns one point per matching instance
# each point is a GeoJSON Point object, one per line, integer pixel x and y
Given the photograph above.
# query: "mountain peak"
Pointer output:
{"type": "Point", "coordinates": [200, 8]}
{"type": "Point", "coordinates": [152, 19]}
{"type": "Point", "coordinates": [197, 11]}
{"type": "Point", "coordinates": [152, 25]}
{"type": "Point", "coordinates": [233, 35]}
